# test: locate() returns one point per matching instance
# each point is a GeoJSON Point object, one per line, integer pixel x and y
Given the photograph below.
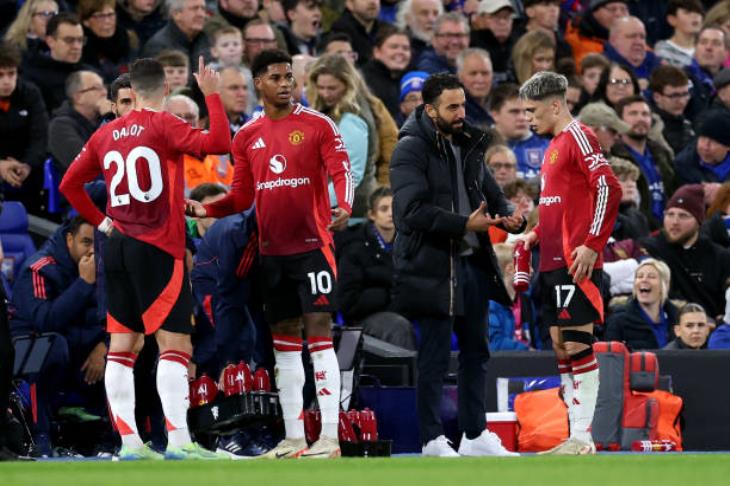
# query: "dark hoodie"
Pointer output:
{"type": "Point", "coordinates": [49, 296]}
{"type": "Point", "coordinates": [429, 229]}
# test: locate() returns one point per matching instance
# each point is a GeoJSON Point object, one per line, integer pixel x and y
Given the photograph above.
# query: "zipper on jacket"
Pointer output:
{"type": "Point", "coordinates": [452, 278]}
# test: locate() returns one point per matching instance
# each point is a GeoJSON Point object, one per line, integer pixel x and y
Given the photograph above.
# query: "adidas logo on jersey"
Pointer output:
{"type": "Point", "coordinates": [258, 144]}
{"type": "Point", "coordinates": [322, 300]}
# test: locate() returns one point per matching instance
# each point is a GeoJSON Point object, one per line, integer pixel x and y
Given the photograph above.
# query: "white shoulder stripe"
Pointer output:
{"type": "Point", "coordinates": [298, 109]}
{"type": "Point", "coordinates": [324, 117]}
{"type": "Point", "coordinates": [580, 139]}
{"type": "Point", "coordinates": [601, 202]}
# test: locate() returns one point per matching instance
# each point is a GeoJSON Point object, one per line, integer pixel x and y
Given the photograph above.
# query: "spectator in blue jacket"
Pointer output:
{"type": "Point", "coordinates": [506, 333]}
{"type": "Point", "coordinates": [55, 292]}
{"type": "Point", "coordinates": [627, 45]}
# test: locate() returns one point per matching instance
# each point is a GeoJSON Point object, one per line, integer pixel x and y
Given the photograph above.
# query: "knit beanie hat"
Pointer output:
{"type": "Point", "coordinates": [716, 125]}
{"type": "Point", "coordinates": [691, 198]}
{"type": "Point", "coordinates": [412, 81]}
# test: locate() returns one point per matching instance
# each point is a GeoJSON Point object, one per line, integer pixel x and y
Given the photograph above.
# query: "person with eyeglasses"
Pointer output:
{"type": "Point", "coordinates": [28, 28]}
{"type": "Point", "coordinates": [77, 118]}
{"type": "Point", "coordinates": [670, 93]}
{"type": "Point", "coordinates": [49, 71]}
{"type": "Point", "coordinates": [492, 30]}
{"type": "Point", "coordinates": [108, 46]}
{"type": "Point", "coordinates": [450, 37]}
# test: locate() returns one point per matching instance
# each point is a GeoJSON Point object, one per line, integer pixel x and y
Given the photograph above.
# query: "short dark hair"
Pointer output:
{"type": "Point", "coordinates": [330, 38]}
{"type": "Point", "coordinates": [688, 5]}
{"type": "Point", "coordinates": [173, 58]}
{"type": "Point", "coordinates": [206, 189]}
{"type": "Point", "coordinates": [688, 308]}
{"type": "Point", "coordinates": [512, 188]}
{"type": "Point", "coordinates": [147, 75]}
{"type": "Point", "coordinates": [600, 93]}
{"type": "Point", "coordinates": [502, 94]}
{"type": "Point", "coordinates": [123, 81]}
{"type": "Point", "coordinates": [287, 5]}
{"type": "Point", "coordinates": [10, 56]}
{"type": "Point", "coordinates": [61, 18]}
{"type": "Point", "coordinates": [436, 84]}
{"type": "Point", "coordinates": [667, 75]}
{"type": "Point", "coordinates": [629, 100]}
{"type": "Point", "coordinates": [385, 32]}
{"type": "Point", "coordinates": [377, 195]}
{"type": "Point", "coordinates": [266, 58]}
{"type": "Point", "coordinates": [74, 225]}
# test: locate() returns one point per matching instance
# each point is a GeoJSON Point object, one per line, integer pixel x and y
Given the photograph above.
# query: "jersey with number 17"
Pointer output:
{"type": "Point", "coordinates": [141, 158]}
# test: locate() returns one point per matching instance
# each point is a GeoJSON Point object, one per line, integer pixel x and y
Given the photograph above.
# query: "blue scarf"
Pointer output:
{"type": "Point", "coordinates": [720, 170]}
{"type": "Point", "coordinates": [653, 179]}
{"type": "Point", "coordinates": [660, 329]}
{"type": "Point", "coordinates": [643, 71]}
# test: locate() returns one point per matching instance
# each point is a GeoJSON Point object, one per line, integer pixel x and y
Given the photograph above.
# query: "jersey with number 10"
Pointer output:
{"type": "Point", "coordinates": [283, 165]}
{"type": "Point", "coordinates": [141, 158]}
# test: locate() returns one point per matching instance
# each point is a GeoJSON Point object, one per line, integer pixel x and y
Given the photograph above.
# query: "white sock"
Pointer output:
{"type": "Point", "coordinates": [119, 383]}
{"type": "Point", "coordinates": [327, 383]}
{"type": "Point", "coordinates": [566, 386]}
{"type": "Point", "coordinates": [290, 381]}
{"type": "Point", "coordinates": [585, 394]}
{"type": "Point", "coordinates": [173, 388]}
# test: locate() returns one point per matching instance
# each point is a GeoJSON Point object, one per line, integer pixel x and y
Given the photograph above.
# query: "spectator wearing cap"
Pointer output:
{"type": "Point", "coordinates": [492, 30]}
{"type": "Point", "coordinates": [411, 86]}
{"type": "Point", "coordinates": [627, 45]}
{"type": "Point", "coordinates": [631, 222]}
{"type": "Point", "coordinates": [685, 17]}
{"type": "Point", "coordinates": [651, 157]}
{"type": "Point", "coordinates": [450, 37]}
{"type": "Point", "coordinates": [605, 124]}
{"type": "Point", "coordinates": [670, 93]}
{"type": "Point", "coordinates": [589, 32]}
{"type": "Point", "coordinates": [183, 31]}
{"type": "Point", "coordinates": [708, 159]}
{"type": "Point", "coordinates": [382, 73]}
{"type": "Point", "coordinates": [474, 69]}
{"type": "Point", "coordinates": [544, 15]}
{"type": "Point", "coordinates": [692, 330]}
{"type": "Point", "coordinates": [700, 267]}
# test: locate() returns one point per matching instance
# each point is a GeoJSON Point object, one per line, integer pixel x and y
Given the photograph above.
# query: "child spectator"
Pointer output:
{"type": "Point", "coordinates": [507, 332]}
{"type": "Point", "coordinates": [591, 68]}
{"type": "Point", "coordinates": [227, 48]}
{"type": "Point", "coordinates": [177, 68]}
{"type": "Point", "coordinates": [631, 222]}
{"type": "Point", "coordinates": [685, 17]}
{"type": "Point", "coordinates": [411, 85]}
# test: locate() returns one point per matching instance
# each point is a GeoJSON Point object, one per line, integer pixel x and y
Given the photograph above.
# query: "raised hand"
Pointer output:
{"type": "Point", "coordinates": [208, 79]}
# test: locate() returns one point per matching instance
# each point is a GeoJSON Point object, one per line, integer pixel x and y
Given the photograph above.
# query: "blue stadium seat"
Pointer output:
{"type": "Point", "coordinates": [17, 243]}
{"type": "Point", "coordinates": [51, 180]}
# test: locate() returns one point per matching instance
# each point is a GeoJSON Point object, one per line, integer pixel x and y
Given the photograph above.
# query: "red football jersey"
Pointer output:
{"type": "Point", "coordinates": [141, 158]}
{"type": "Point", "coordinates": [579, 198]}
{"type": "Point", "coordinates": [283, 166]}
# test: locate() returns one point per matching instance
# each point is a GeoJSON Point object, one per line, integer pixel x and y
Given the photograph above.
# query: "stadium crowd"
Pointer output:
{"type": "Point", "coordinates": [652, 80]}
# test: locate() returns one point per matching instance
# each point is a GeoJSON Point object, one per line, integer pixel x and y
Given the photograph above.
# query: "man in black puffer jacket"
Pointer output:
{"type": "Point", "coordinates": [445, 268]}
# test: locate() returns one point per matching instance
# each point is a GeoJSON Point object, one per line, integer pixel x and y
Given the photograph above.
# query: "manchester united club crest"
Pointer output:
{"type": "Point", "coordinates": [296, 137]}
{"type": "Point", "coordinates": [553, 156]}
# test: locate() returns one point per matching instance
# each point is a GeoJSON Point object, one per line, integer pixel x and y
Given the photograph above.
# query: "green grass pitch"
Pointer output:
{"type": "Point", "coordinates": [619, 470]}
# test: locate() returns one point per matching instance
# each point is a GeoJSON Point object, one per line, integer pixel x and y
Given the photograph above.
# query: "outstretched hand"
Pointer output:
{"type": "Point", "coordinates": [514, 222]}
{"type": "Point", "coordinates": [480, 220]}
{"type": "Point", "coordinates": [208, 79]}
{"type": "Point", "coordinates": [195, 209]}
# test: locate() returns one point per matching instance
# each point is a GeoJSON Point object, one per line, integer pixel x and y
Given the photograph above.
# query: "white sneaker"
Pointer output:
{"type": "Point", "coordinates": [487, 444]}
{"type": "Point", "coordinates": [571, 447]}
{"type": "Point", "coordinates": [439, 447]}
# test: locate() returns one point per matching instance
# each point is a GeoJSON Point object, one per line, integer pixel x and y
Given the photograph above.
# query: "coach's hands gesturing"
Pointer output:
{"type": "Point", "coordinates": [480, 220]}
{"type": "Point", "coordinates": [583, 260]}
{"type": "Point", "coordinates": [208, 79]}
{"type": "Point", "coordinates": [514, 222]}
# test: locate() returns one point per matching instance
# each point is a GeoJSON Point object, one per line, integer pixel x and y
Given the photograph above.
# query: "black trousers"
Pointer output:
{"type": "Point", "coordinates": [435, 350]}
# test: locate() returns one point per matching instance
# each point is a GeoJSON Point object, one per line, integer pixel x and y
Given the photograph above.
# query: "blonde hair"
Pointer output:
{"type": "Point", "coordinates": [665, 277]}
{"type": "Point", "coordinates": [623, 167]}
{"type": "Point", "coordinates": [17, 33]}
{"type": "Point", "coordinates": [504, 253]}
{"type": "Point", "coordinates": [526, 48]}
{"type": "Point", "coordinates": [499, 149]}
{"type": "Point", "coordinates": [339, 68]}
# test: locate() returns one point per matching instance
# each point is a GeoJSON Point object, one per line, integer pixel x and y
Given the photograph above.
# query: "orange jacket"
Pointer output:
{"type": "Point", "coordinates": [215, 169]}
{"type": "Point", "coordinates": [581, 45]}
